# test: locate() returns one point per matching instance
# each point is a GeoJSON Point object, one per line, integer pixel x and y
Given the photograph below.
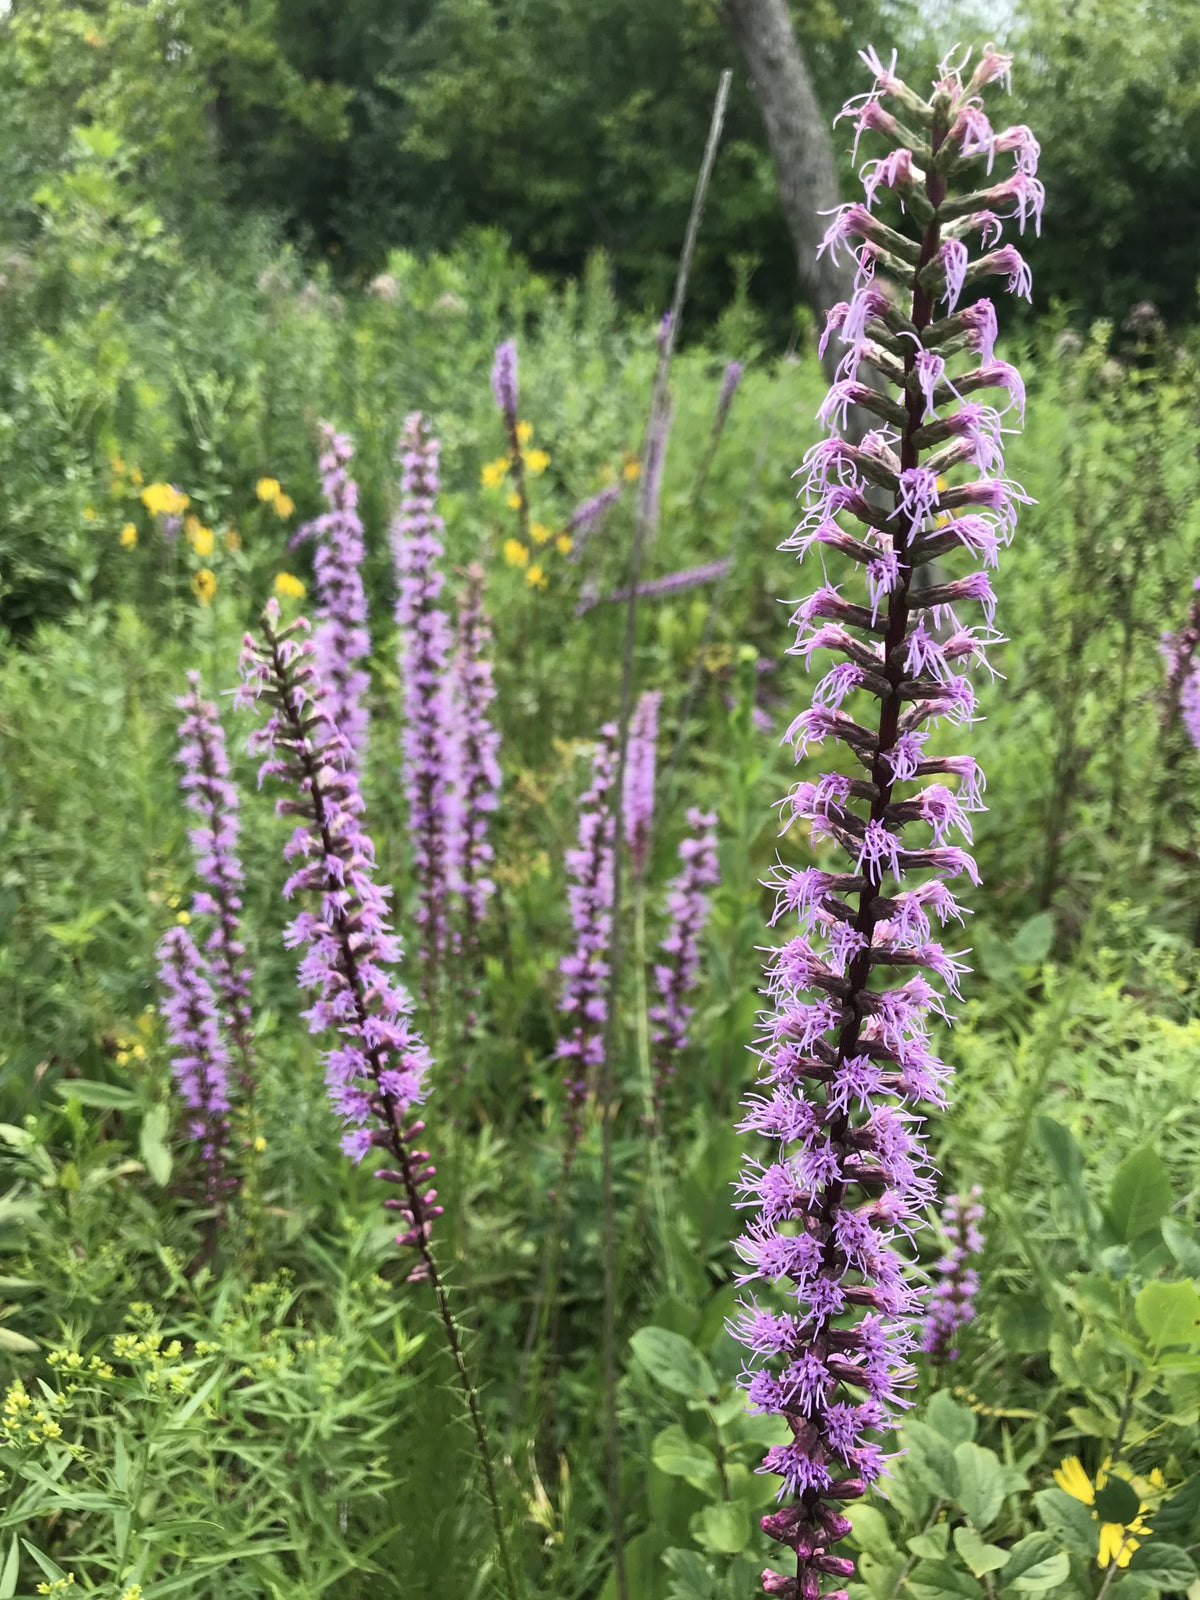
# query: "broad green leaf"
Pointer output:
{"type": "Point", "coordinates": [642, 1567]}
{"type": "Point", "coordinates": [932, 1543]}
{"type": "Point", "coordinates": [1064, 1153]}
{"type": "Point", "coordinates": [1140, 1195]}
{"type": "Point", "coordinates": [1033, 939]}
{"type": "Point", "coordinates": [724, 1528]}
{"type": "Point", "coordinates": [935, 1580]}
{"type": "Point", "coordinates": [954, 1422]}
{"type": "Point", "coordinates": [882, 1578]}
{"type": "Point", "coordinates": [980, 1484]}
{"type": "Point", "coordinates": [152, 1145]}
{"type": "Point", "coordinates": [1117, 1502]}
{"type": "Point", "coordinates": [1023, 1324]}
{"type": "Point", "coordinates": [932, 1460]}
{"type": "Point", "coordinates": [871, 1532]}
{"type": "Point", "coordinates": [10, 1339]}
{"type": "Point", "coordinates": [1182, 1245]}
{"type": "Point", "coordinates": [690, 1575]}
{"type": "Point", "coordinates": [93, 1092]}
{"type": "Point", "coordinates": [1169, 1566]}
{"type": "Point", "coordinates": [673, 1361]}
{"type": "Point", "coordinates": [675, 1453]}
{"type": "Point", "coordinates": [1033, 1564]}
{"type": "Point", "coordinates": [1169, 1313]}
{"type": "Point", "coordinates": [980, 1557]}
{"type": "Point", "coordinates": [1069, 1521]}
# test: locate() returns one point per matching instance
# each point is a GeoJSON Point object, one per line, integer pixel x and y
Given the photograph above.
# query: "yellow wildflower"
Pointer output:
{"type": "Point", "coordinates": [129, 536]}
{"type": "Point", "coordinates": [58, 1586]}
{"type": "Point", "coordinates": [524, 432]}
{"type": "Point", "coordinates": [632, 470]}
{"type": "Point", "coordinates": [89, 513]}
{"type": "Point", "coordinates": [267, 489]}
{"type": "Point", "coordinates": [535, 577]}
{"type": "Point", "coordinates": [289, 587]}
{"type": "Point", "coordinates": [284, 505]}
{"type": "Point", "coordinates": [204, 585]}
{"type": "Point", "coordinates": [199, 537]}
{"type": "Point", "coordinates": [163, 499]}
{"type": "Point", "coordinates": [514, 501]}
{"type": "Point", "coordinates": [233, 539]}
{"type": "Point", "coordinates": [536, 462]}
{"type": "Point", "coordinates": [92, 39]}
{"type": "Point", "coordinates": [494, 472]}
{"type": "Point", "coordinates": [260, 1144]}
{"type": "Point", "coordinates": [117, 465]}
{"type": "Point", "coordinates": [515, 553]}
{"type": "Point", "coordinates": [563, 544]}
{"type": "Point", "coordinates": [184, 917]}
{"type": "Point", "coordinates": [1118, 1540]}
{"type": "Point", "coordinates": [136, 477]}
{"type": "Point", "coordinates": [540, 533]}
{"type": "Point", "coordinates": [134, 1592]}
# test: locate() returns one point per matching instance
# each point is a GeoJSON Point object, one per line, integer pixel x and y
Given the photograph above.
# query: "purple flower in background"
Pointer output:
{"type": "Point", "coordinates": [585, 971]}
{"type": "Point", "coordinates": [664, 330]}
{"type": "Point", "coordinates": [678, 966]}
{"type": "Point", "coordinates": [213, 798]}
{"type": "Point", "coordinates": [376, 1072]}
{"type": "Point", "coordinates": [952, 1300]}
{"type": "Point", "coordinates": [425, 646]}
{"type": "Point", "coordinates": [504, 380]}
{"type": "Point", "coordinates": [477, 763]}
{"type": "Point", "coordinates": [588, 517]}
{"type": "Point", "coordinates": [655, 588]}
{"type": "Point", "coordinates": [341, 635]}
{"type": "Point", "coordinates": [729, 386]}
{"type": "Point", "coordinates": [200, 1061]}
{"type": "Point", "coordinates": [638, 803]}
{"type": "Point", "coordinates": [1182, 690]}
{"type": "Point", "coordinates": [846, 1065]}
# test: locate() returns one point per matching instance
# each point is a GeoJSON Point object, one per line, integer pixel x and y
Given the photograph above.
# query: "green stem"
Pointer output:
{"type": "Point", "coordinates": [657, 1185]}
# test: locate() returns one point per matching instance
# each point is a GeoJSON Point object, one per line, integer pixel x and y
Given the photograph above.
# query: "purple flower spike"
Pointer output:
{"type": "Point", "coordinates": [729, 387]}
{"type": "Point", "coordinates": [679, 954]}
{"type": "Point", "coordinates": [425, 646]}
{"type": "Point", "coordinates": [376, 1072]}
{"type": "Point", "coordinates": [477, 764]}
{"type": "Point", "coordinates": [200, 1063]}
{"type": "Point", "coordinates": [504, 379]}
{"type": "Point", "coordinates": [588, 518]}
{"type": "Point", "coordinates": [1182, 691]}
{"type": "Point", "coordinates": [952, 1300]}
{"type": "Point", "coordinates": [846, 1064]}
{"type": "Point", "coordinates": [341, 635]}
{"type": "Point", "coordinates": [213, 798]}
{"type": "Point", "coordinates": [585, 971]}
{"type": "Point", "coordinates": [638, 806]}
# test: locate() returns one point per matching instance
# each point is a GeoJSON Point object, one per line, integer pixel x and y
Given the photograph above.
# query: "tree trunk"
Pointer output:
{"type": "Point", "coordinates": [801, 148]}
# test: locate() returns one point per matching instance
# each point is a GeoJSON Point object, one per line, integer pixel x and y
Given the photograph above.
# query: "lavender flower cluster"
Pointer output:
{"type": "Point", "coordinates": [342, 639]}
{"type": "Point", "coordinates": [846, 1061]}
{"type": "Point", "coordinates": [1182, 690]}
{"type": "Point", "coordinates": [678, 966]}
{"type": "Point", "coordinates": [638, 795]}
{"type": "Point", "coordinates": [952, 1301]}
{"type": "Point", "coordinates": [200, 1060]}
{"type": "Point", "coordinates": [376, 1072]}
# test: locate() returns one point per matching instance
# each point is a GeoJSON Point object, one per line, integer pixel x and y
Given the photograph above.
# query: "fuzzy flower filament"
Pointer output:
{"type": "Point", "coordinates": [200, 1060]}
{"type": "Point", "coordinates": [425, 649]}
{"type": "Point", "coordinates": [341, 635]}
{"type": "Point", "coordinates": [952, 1300]}
{"type": "Point", "coordinates": [846, 1063]}
{"type": "Point", "coordinates": [211, 796]}
{"type": "Point", "coordinates": [678, 967]}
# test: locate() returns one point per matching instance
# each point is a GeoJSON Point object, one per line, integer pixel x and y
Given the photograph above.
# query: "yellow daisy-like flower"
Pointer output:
{"type": "Point", "coordinates": [289, 587]}
{"type": "Point", "coordinates": [536, 462]}
{"type": "Point", "coordinates": [524, 432]}
{"type": "Point", "coordinates": [284, 505]}
{"type": "Point", "coordinates": [515, 553]}
{"type": "Point", "coordinates": [494, 472]}
{"type": "Point", "coordinates": [163, 499]}
{"type": "Point", "coordinates": [540, 533]}
{"type": "Point", "coordinates": [267, 488]}
{"type": "Point", "coordinates": [563, 544]}
{"type": "Point", "coordinates": [632, 470]}
{"type": "Point", "coordinates": [514, 501]}
{"type": "Point", "coordinates": [233, 539]}
{"type": "Point", "coordinates": [198, 536]}
{"type": "Point", "coordinates": [204, 585]}
{"type": "Point", "coordinates": [1118, 1540]}
{"type": "Point", "coordinates": [535, 577]}
{"type": "Point", "coordinates": [184, 917]}
{"type": "Point", "coordinates": [128, 536]}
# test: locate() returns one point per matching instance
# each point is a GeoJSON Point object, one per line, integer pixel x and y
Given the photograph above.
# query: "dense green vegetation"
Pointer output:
{"type": "Point", "coordinates": [266, 1408]}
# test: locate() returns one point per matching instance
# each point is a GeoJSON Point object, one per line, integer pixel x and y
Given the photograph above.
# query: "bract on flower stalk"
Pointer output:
{"type": "Point", "coordinates": [214, 799]}
{"type": "Point", "coordinates": [585, 970]}
{"type": "Point", "coordinates": [506, 390]}
{"type": "Point", "coordinates": [678, 966]}
{"type": "Point", "coordinates": [846, 1061]}
{"type": "Point", "coordinates": [638, 808]}
{"type": "Point", "coordinates": [425, 648]}
{"type": "Point", "coordinates": [477, 765]}
{"type": "Point", "coordinates": [200, 1060]}
{"type": "Point", "coordinates": [952, 1299]}
{"type": "Point", "coordinates": [341, 635]}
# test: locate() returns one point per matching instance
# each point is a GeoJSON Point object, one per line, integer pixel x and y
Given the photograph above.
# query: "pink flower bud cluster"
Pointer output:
{"type": "Point", "coordinates": [834, 1198]}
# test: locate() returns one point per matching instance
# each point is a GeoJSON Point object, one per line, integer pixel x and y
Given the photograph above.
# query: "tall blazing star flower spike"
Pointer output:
{"type": "Point", "coordinates": [1182, 689]}
{"type": "Point", "coordinates": [425, 651]}
{"type": "Point", "coordinates": [846, 1063]}
{"type": "Point", "coordinates": [584, 972]}
{"type": "Point", "coordinates": [376, 1072]}
{"type": "Point", "coordinates": [200, 1060]}
{"type": "Point", "coordinates": [211, 796]}
{"type": "Point", "coordinates": [638, 805]}
{"type": "Point", "coordinates": [341, 636]}
{"type": "Point", "coordinates": [952, 1299]}
{"type": "Point", "coordinates": [507, 393]}
{"type": "Point", "coordinates": [477, 766]}
{"type": "Point", "coordinates": [678, 966]}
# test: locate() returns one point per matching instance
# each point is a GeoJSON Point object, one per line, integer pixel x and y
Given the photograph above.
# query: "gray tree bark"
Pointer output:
{"type": "Point", "coordinates": [800, 143]}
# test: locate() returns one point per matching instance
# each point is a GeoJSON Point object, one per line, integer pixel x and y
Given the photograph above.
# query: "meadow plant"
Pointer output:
{"type": "Point", "coordinates": [507, 392]}
{"type": "Point", "coordinates": [588, 518]}
{"type": "Point", "coordinates": [952, 1301]}
{"type": "Point", "coordinates": [584, 971]}
{"type": "Point", "coordinates": [425, 651]}
{"type": "Point", "coordinates": [845, 1055]}
{"type": "Point", "coordinates": [477, 758]}
{"type": "Point", "coordinates": [199, 1058]}
{"type": "Point", "coordinates": [213, 798]}
{"type": "Point", "coordinates": [1182, 690]}
{"type": "Point", "coordinates": [638, 809]}
{"type": "Point", "coordinates": [341, 635]}
{"type": "Point", "coordinates": [678, 967]}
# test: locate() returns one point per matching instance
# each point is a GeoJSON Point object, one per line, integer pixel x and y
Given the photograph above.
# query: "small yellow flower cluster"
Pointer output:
{"type": "Point", "coordinates": [204, 585]}
{"type": "Point", "coordinates": [270, 492]}
{"type": "Point", "coordinates": [128, 536]}
{"type": "Point", "coordinates": [164, 500]}
{"type": "Point", "coordinates": [289, 587]}
{"type": "Point", "coordinates": [133, 1592]}
{"type": "Point", "coordinates": [158, 1365]}
{"type": "Point", "coordinates": [129, 1049]}
{"type": "Point", "coordinates": [25, 1422]}
{"type": "Point", "coordinates": [58, 1585]}
{"type": "Point", "coordinates": [72, 1368]}
{"type": "Point", "coordinates": [198, 536]}
{"type": "Point", "coordinates": [535, 462]}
